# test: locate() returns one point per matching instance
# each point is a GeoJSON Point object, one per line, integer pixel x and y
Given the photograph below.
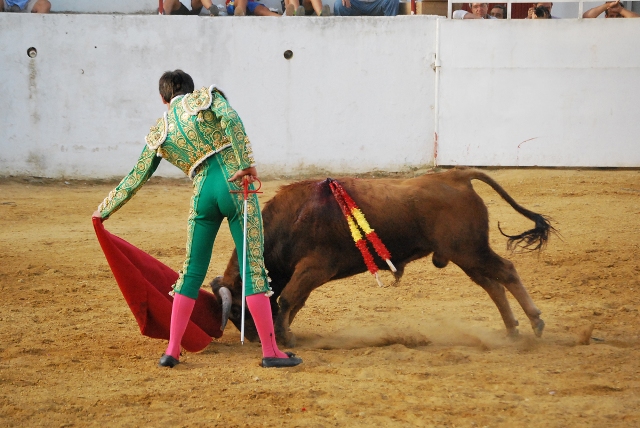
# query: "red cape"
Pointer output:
{"type": "Point", "coordinates": [145, 284]}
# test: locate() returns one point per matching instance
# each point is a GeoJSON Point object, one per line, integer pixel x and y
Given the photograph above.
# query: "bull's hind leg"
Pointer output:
{"type": "Point", "coordinates": [509, 277]}
{"type": "Point", "coordinates": [503, 271]}
{"type": "Point", "coordinates": [496, 291]}
{"type": "Point", "coordinates": [307, 276]}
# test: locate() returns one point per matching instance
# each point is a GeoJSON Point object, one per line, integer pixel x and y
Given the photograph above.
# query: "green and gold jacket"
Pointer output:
{"type": "Point", "coordinates": [196, 127]}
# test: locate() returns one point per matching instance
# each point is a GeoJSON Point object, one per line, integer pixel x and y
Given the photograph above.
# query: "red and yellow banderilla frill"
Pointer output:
{"type": "Point", "coordinates": [356, 221]}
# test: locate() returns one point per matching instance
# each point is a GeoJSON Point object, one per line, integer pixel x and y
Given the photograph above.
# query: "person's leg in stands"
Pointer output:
{"type": "Point", "coordinates": [376, 7]}
{"type": "Point", "coordinates": [41, 6]}
{"type": "Point", "coordinates": [289, 10]}
{"type": "Point", "coordinates": [172, 6]}
{"type": "Point", "coordinates": [240, 8]}
{"type": "Point", "coordinates": [390, 7]}
{"type": "Point", "coordinates": [295, 5]}
{"type": "Point", "coordinates": [349, 8]}
{"type": "Point", "coordinates": [316, 5]}
{"type": "Point", "coordinates": [258, 9]}
{"type": "Point", "coordinates": [196, 7]}
{"type": "Point", "coordinates": [212, 8]}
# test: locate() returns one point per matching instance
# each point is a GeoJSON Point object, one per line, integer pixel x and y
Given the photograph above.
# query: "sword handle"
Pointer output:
{"type": "Point", "coordinates": [245, 188]}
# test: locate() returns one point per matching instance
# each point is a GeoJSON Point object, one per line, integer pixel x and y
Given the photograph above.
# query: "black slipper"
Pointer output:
{"type": "Point", "coordinates": [168, 361]}
{"type": "Point", "coordinates": [282, 362]}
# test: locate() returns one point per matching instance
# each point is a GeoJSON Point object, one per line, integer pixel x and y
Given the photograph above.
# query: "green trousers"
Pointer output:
{"type": "Point", "coordinates": [210, 204]}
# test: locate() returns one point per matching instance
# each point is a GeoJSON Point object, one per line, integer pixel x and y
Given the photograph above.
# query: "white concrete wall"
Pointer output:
{"type": "Point", "coordinates": [547, 93]}
{"type": "Point", "coordinates": [343, 103]}
{"type": "Point", "coordinates": [358, 95]}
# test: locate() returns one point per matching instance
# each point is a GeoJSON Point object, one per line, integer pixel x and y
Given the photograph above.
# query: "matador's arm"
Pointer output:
{"type": "Point", "coordinates": [144, 169]}
{"type": "Point", "coordinates": [233, 129]}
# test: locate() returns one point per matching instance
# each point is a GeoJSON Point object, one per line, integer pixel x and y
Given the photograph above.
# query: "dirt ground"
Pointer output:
{"type": "Point", "coordinates": [430, 351]}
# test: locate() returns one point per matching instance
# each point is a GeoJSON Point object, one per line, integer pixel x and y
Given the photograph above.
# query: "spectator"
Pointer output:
{"type": "Point", "coordinates": [499, 11]}
{"type": "Point", "coordinates": [25, 6]}
{"type": "Point", "coordinates": [175, 7]}
{"type": "Point", "coordinates": [611, 9]}
{"type": "Point", "coordinates": [300, 7]}
{"type": "Point", "coordinates": [540, 12]}
{"type": "Point", "coordinates": [247, 7]}
{"type": "Point", "coordinates": [537, 11]}
{"type": "Point", "coordinates": [366, 7]}
{"type": "Point", "coordinates": [234, 7]}
{"type": "Point", "coordinates": [478, 11]}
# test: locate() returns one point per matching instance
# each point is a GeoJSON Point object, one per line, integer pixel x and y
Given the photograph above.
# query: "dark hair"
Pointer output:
{"type": "Point", "coordinates": [174, 83]}
{"type": "Point", "coordinates": [542, 12]}
{"type": "Point", "coordinates": [501, 7]}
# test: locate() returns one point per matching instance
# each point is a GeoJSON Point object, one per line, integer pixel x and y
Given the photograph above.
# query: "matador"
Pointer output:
{"type": "Point", "coordinates": [202, 135]}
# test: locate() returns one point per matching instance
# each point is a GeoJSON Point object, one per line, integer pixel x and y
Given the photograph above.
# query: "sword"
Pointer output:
{"type": "Point", "coordinates": [245, 193]}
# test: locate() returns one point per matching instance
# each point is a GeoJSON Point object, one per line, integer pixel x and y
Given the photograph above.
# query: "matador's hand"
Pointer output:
{"type": "Point", "coordinates": [96, 214]}
{"type": "Point", "coordinates": [251, 173]}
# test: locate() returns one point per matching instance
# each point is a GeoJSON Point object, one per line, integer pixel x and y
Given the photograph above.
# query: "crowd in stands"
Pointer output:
{"type": "Point", "coordinates": [611, 9]}
{"type": "Point", "coordinates": [289, 7]}
{"type": "Point", "coordinates": [26, 6]}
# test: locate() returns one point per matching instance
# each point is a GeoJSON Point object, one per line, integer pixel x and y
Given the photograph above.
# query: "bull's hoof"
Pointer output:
{"type": "Point", "coordinates": [513, 334]}
{"type": "Point", "coordinates": [284, 337]}
{"type": "Point", "coordinates": [290, 342]}
{"type": "Point", "coordinates": [286, 340]}
{"type": "Point", "coordinates": [252, 336]}
{"type": "Point", "coordinates": [538, 327]}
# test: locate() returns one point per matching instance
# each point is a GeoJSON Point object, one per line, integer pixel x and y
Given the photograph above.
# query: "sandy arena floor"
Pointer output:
{"type": "Point", "coordinates": [429, 352]}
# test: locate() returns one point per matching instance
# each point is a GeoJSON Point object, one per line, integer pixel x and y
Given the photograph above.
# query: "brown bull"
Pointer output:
{"type": "Point", "coordinates": [308, 243]}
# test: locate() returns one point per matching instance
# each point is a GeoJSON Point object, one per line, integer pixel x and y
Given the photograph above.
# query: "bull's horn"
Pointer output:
{"type": "Point", "coordinates": [225, 295]}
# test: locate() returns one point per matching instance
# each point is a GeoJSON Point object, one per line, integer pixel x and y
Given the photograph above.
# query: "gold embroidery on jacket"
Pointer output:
{"type": "Point", "coordinates": [197, 101]}
{"type": "Point", "coordinates": [184, 141]}
{"type": "Point", "coordinates": [157, 133]}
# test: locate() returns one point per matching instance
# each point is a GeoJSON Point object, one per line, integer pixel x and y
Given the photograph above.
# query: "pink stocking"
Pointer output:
{"type": "Point", "coordinates": [180, 314]}
{"type": "Point", "coordinates": [260, 308]}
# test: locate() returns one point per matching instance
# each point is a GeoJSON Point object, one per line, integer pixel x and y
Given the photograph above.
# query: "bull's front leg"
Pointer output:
{"type": "Point", "coordinates": [284, 336]}
{"type": "Point", "coordinates": [310, 272]}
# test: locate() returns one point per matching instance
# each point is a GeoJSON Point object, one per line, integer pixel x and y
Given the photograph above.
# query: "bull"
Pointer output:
{"type": "Point", "coordinates": [307, 241]}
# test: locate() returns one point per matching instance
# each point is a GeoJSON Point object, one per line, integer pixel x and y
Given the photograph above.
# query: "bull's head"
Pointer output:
{"type": "Point", "coordinates": [229, 294]}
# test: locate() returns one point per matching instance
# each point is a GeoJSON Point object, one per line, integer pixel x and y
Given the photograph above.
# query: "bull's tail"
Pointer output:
{"type": "Point", "coordinates": [531, 240]}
